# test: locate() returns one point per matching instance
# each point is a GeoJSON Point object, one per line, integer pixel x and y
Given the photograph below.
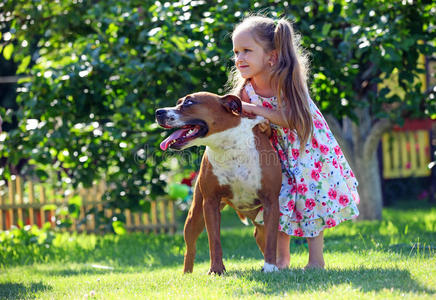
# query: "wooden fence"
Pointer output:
{"type": "Point", "coordinates": [407, 150]}
{"type": "Point", "coordinates": [406, 154]}
{"type": "Point", "coordinates": [28, 203]}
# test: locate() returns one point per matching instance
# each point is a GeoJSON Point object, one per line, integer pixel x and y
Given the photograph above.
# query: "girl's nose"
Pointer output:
{"type": "Point", "coordinates": [238, 58]}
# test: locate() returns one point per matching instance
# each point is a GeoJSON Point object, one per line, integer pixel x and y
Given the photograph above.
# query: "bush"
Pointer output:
{"type": "Point", "coordinates": [26, 245]}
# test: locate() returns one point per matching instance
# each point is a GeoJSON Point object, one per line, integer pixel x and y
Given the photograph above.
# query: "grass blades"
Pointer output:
{"type": "Point", "coordinates": [384, 259]}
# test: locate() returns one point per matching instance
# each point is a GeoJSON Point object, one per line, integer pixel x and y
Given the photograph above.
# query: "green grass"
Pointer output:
{"type": "Point", "coordinates": [391, 258]}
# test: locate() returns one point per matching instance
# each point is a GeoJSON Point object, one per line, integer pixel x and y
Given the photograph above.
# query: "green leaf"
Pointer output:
{"type": "Point", "coordinates": [7, 51]}
{"type": "Point", "coordinates": [76, 200]}
{"type": "Point", "coordinates": [119, 228]}
{"type": "Point", "coordinates": [42, 175]}
{"type": "Point", "coordinates": [74, 205]}
{"type": "Point", "coordinates": [49, 207]}
{"type": "Point", "coordinates": [392, 55]}
{"type": "Point", "coordinates": [326, 28]}
{"type": "Point", "coordinates": [24, 63]}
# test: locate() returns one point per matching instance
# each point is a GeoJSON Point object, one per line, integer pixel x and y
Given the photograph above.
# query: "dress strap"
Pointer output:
{"type": "Point", "coordinates": [254, 98]}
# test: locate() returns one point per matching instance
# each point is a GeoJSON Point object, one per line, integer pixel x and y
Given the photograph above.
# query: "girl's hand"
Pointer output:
{"type": "Point", "coordinates": [248, 109]}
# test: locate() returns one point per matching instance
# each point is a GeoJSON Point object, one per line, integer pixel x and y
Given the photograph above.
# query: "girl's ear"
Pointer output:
{"type": "Point", "coordinates": [232, 104]}
{"type": "Point", "coordinates": [273, 57]}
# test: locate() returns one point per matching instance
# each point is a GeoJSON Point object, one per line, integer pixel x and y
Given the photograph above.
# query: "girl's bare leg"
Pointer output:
{"type": "Point", "coordinates": [283, 251]}
{"type": "Point", "coordinates": [316, 252]}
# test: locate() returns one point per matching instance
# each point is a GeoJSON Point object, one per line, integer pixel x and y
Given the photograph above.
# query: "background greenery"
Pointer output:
{"type": "Point", "coordinates": [95, 71]}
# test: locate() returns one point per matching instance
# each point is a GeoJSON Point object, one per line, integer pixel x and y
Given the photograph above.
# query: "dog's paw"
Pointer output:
{"type": "Point", "coordinates": [268, 268]}
{"type": "Point", "coordinates": [216, 271]}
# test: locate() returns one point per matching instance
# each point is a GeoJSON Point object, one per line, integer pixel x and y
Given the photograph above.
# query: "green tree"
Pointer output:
{"type": "Point", "coordinates": [98, 70]}
{"type": "Point", "coordinates": [361, 44]}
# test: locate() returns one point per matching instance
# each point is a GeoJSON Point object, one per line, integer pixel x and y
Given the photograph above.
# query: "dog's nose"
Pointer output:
{"type": "Point", "coordinates": [160, 113]}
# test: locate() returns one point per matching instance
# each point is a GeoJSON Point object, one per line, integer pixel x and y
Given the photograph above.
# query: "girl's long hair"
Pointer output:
{"type": "Point", "coordinates": [288, 74]}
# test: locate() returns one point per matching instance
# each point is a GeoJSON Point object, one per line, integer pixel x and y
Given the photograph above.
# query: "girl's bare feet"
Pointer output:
{"type": "Point", "coordinates": [310, 266]}
{"type": "Point", "coordinates": [316, 252]}
{"type": "Point", "coordinates": [283, 251]}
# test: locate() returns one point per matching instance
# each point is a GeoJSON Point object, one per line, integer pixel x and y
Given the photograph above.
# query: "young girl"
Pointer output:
{"type": "Point", "coordinates": [318, 187]}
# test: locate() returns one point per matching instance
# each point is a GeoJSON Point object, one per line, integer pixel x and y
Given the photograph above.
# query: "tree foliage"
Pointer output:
{"type": "Point", "coordinates": [97, 70]}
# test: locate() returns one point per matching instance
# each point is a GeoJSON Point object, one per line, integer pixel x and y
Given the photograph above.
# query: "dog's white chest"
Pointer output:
{"type": "Point", "coordinates": [237, 164]}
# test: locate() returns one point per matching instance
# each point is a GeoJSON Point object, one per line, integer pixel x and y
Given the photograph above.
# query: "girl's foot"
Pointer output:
{"type": "Point", "coordinates": [283, 251]}
{"type": "Point", "coordinates": [316, 255]}
{"type": "Point", "coordinates": [311, 266]}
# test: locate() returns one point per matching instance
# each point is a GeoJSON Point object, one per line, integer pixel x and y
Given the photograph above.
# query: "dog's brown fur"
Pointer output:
{"type": "Point", "coordinates": [210, 197]}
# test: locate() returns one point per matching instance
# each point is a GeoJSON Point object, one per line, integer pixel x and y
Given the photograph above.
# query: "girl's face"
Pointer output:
{"type": "Point", "coordinates": [250, 58]}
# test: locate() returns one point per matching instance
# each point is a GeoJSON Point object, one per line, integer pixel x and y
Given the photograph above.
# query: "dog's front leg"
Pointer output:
{"type": "Point", "coordinates": [271, 221]}
{"type": "Point", "coordinates": [212, 217]}
{"type": "Point", "coordinates": [194, 225]}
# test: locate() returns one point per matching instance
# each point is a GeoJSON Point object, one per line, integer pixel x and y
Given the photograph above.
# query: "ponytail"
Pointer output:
{"type": "Point", "coordinates": [289, 76]}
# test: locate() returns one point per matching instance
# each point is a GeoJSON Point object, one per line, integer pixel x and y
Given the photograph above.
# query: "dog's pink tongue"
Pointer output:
{"type": "Point", "coordinates": [174, 136]}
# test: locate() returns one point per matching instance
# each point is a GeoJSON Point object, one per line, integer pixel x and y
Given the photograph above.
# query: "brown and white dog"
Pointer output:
{"type": "Point", "coordinates": [239, 168]}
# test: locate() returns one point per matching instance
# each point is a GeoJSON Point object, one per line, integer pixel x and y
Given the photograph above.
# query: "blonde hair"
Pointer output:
{"type": "Point", "coordinates": [288, 74]}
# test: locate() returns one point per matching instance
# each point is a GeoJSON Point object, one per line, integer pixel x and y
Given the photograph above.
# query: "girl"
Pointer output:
{"type": "Point", "coordinates": [318, 186]}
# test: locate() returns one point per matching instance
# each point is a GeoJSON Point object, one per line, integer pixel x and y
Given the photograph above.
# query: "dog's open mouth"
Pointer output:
{"type": "Point", "coordinates": [182, 136]}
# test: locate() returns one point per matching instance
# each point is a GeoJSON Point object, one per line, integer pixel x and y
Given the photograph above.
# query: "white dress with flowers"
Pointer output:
{"type": "Point", "coordinates": [319, 189]}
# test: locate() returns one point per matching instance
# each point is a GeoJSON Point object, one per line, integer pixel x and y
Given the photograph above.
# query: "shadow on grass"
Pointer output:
{"type": "Point", "coordinates": [21, 291]}
{"type": "Point", "coordinates": [366, 280]}
{"type": "Point", "coordinates": [138, 252]}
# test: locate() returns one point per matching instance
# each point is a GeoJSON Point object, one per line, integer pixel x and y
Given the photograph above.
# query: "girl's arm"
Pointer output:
{"type": "Point", "coordinates": [272, 115]}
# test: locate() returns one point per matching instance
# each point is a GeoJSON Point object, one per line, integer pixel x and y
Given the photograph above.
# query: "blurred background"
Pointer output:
{"type": "Point", "coordinates": [80, 81]}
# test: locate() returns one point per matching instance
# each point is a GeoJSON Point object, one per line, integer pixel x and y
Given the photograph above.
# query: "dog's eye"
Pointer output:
{"type": "Point", "coordinates": [187, 102]}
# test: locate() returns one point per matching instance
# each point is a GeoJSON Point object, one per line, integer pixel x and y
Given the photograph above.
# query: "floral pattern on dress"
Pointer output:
{"type": "Point", "coordinates": [319, 189]}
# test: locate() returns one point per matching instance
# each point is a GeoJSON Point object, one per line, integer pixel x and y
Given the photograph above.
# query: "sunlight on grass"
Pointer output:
{"type": "Point", "coordinates": [384, 259]}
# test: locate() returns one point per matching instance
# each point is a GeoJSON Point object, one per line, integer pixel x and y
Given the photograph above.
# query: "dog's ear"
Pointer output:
{"type": "Point", "coordinates": [232, 104]}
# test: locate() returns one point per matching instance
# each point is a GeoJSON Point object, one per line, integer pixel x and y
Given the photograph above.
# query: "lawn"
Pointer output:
{"type": "Point", "coordinates": [392, 258]}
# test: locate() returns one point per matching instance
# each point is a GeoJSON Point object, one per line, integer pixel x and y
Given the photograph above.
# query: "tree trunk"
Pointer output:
{"type": "Point", "coordinates": [370, 192]}
{"type": "Point", "coordinates": [359, 143]}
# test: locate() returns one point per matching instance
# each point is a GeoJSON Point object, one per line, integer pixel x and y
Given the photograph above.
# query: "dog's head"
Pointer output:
{"type": "Point", "coordinates": [196, 116]}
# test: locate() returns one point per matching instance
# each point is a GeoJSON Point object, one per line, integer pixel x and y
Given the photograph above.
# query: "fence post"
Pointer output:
{"type": "Point", "coordinates": [82, 214]}
{"type": "Point", "coordinates": [83, 210]}
{"type": "Point", "coordinates": [146, 221]}
{"type": "Point", "coordinates": [172, 217]}
{"type": "Point", "coordinates": [154, 216]}
{"type": "Point", "coordinates": [31, 200]}
{"type": "Point", "coordinates": [52, 201]}
{"type": "Point", "coordinates": [128, 215]}
{"type": "Point", "coordinates": [11, 201]}
{"type": "Point", "coordinates": [163, 217]}
{"type": "Point", "coordinates": [2, 202]}
{"type": "Point", "coordinates": [136, 221]}
{"type": "Point", "coordinates": [42, 202]}
{"type": "Point", "coordinates": [19, 188]}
